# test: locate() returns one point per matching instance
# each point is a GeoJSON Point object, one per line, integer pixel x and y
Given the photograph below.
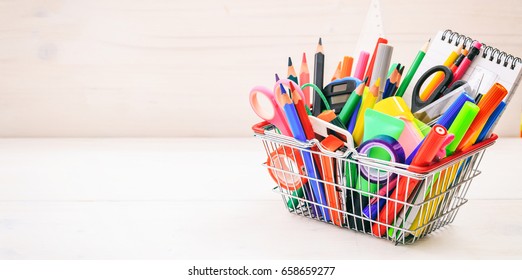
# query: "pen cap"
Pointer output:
{"type": "Point", "coordinates": [460, 125]}
{"type": "Point", "coordinates": [431, 146]}
{"type": "Point", "coordinates": [487, 105]}
{"type": "Point", "coordinates": [381, 65]}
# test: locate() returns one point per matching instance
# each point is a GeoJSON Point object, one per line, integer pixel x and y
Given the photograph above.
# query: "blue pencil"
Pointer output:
{"type": "Point", "coordinates": [298, 132]}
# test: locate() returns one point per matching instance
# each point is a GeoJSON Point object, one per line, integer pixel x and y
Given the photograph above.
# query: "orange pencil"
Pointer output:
{"type": "Point", "coordinates": [346, 70]}
{"type": "Point", "coordinates": [337, 74]}
{"type": "Point", "coordinates": [304, 78]}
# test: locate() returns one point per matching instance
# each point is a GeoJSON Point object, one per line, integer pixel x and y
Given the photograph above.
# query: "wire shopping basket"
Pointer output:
{"type": "Point", "coordinates": [357, 192]}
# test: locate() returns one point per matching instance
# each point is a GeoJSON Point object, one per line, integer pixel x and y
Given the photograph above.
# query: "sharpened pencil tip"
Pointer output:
{"type": "Point", "coordinates": [289, 61]}
{"type": "Point", "coordinates": [276, 77]}
{"type": "Point", "coordinates": [365, 80]}
{"type": "Point", "coordinates": [304, 58]}
{"type": "Point", "coordinates": [292, 88]}
{"type": "Point", "coordinates": [320, 41]}
{"type": "Point", "coordinates": [283, 91]}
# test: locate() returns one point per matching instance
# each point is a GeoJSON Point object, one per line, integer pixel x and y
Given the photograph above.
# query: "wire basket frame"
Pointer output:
{"type": "Point", "coordinates": [356, 201]}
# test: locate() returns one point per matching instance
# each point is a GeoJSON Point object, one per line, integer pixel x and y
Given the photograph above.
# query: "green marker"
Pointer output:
{"type": "Point", "coordinates": [460, 125]}
{"type": "Point", "coordinates": [414, 66]}
{"type": "Point", "coordinates": [351, 103]}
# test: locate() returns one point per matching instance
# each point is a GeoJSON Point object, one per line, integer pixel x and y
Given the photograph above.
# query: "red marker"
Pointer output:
{"type": "Point", "coordinates": [426, 154]}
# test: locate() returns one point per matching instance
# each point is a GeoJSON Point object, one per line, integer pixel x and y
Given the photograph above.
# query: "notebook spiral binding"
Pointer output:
{"type": "Point", "coordinates": [501, 57]}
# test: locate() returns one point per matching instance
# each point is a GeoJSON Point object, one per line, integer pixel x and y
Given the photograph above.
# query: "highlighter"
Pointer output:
{"type": "Point", "coordinates": [368, 102]}
{"type": "Point", "coordinates": [377, 123]}
{"type": "Point", "coordinates": [487, 105]}
{"type": "Point", "coordinates": [492, 121]}
{"type": "Point", "coordinates": [460, 125]}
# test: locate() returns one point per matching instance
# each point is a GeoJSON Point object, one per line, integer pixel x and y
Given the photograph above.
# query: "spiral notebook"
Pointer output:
{"type": "Point", "coordinates": [490, 66]}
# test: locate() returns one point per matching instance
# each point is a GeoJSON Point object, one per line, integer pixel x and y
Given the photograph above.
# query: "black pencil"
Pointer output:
{"type": "Point", "coordinates": [318, 77]}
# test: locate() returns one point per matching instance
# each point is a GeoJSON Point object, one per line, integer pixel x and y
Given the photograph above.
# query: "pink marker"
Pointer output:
{"type": "Point", "coordinates": [362, 62]}
{"type": "Point", "coordinates": [463, 67]}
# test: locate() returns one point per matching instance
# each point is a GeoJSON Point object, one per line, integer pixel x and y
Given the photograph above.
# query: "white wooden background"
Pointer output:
{"type": "Point", "coordinates": [184, 68]}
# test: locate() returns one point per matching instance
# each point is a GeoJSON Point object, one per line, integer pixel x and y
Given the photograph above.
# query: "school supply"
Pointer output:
{"type": "Point", "coordinates": [338, 92]}
{"type": "Point", "coordinates": [492, 120]}
{"type": "Point", "coordinates": [369, 71]}
{"type": "Point", "coordinates": [391, 82]}
{"type": "Point", "coordinates": [487, 105]}
{"type": "Point", "coordinates": [492, 65]}
{"type": "Point", "coordinates": [332, 143]}
{"type": "Point", "coordinates": [273, 114]}
{"type": "Point", "coordinates": [285, 102]}
{"type": "Point", "coordinates": [362, 62]}
{"type": "Point", "coordinates": [304, 78]}
{"type": "Point", "coordinates": [382, 62]}
{"type": "Point", "coordinates": [284, 162]}
{"type": "Point", "coordinates": [399, 171]}
{"type": "Point", "coordinates": [337, 74]}
{"type": "Point", "coordinates": [292, 76]}
{"type": "Point", "coordinates": [406, 186]}
{"type": "Point", "coordinates": [351, 103]}
{"type": "Point", "coordinates": [443, 87]}
{"type": "Point", "coordinates": [440, 76]}
{"type": "Point", "coordinates": [368, 102]}
{"type": "Point", "coordinates": [331, 117]}
{"type": "Point", "coordinates": [412, 70]}
{"type": "Point", "coordinates": [318, 77]}
{"type": "Point", "coordinates": [347, 67]}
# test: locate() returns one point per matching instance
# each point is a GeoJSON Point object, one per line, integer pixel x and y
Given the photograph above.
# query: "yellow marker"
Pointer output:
{"type": "Point", "coordinates": [367, 102]}
{"type": "Point", "coordinates": [439, 76]}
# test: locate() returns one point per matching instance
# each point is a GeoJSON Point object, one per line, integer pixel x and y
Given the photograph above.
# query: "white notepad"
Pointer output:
{"type": "Point", "coordinates": [492, 64]}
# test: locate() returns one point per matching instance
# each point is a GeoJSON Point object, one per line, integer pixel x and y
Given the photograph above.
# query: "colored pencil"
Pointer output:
{"type": "Point", "coordinates": [351, 103]}
{"type": "Point", "coordinates": [337, 74]}
{"type": "Point", "coordinates": [413, 68]}
{"type": "Point", "coordinates": [304, 78]}
{"type": "Point", "coordinates": [292, 76]}
{"type": "Point", "coordinates": [318, 76]}
{"type": "Point", "coordinates": [391, 83]}
{"type": "Point", "coordinates": [301, 112]}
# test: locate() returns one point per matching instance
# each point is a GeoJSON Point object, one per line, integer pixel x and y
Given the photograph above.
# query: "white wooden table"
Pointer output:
{"type": "Point", "coordinates": [210, 199]}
